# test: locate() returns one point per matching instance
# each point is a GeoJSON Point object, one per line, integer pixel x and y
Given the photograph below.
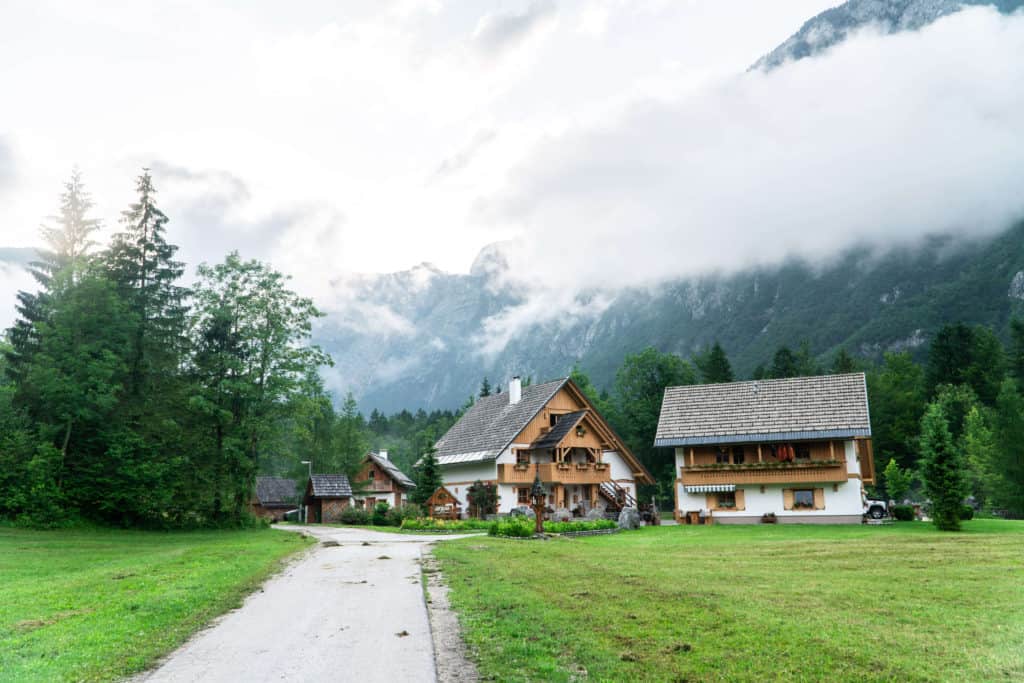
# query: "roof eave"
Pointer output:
{"type": "Point", "coordinates": [763, 437]}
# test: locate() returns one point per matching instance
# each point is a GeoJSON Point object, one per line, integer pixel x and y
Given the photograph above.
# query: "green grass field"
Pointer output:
{"type": "Point", "coordinates": [89, 605]}
{"type": "Point", "coordinates": [753, 603]}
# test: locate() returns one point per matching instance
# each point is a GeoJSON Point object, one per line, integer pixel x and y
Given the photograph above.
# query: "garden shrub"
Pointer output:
{"type": "Point", "coordinates": [380, 513]}
{"type": "Point", "coordinates": [590, 525]}
{"type": "Point", "coordinates": [354, 515]}
{"type": "Point", "coordinates": [428, 524]}
{"type": "Point", "coordinates": [517, 527]}
{"type": "Point", "coordinates": [903, 513]}
{"type": "Point", "coordinates": [521, 527]}
{"type": "Point", "coordinates": [967, 513]}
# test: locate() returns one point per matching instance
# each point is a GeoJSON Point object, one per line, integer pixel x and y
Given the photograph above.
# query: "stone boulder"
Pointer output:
{"type": "Point", "coordinates": [522, 511]}
{"type": "Point", "coordinates": [629, 519]}
{"type": "Point", "coordinates": [595, 514]}
{"type": "Point", "coordinates": [562, 515]}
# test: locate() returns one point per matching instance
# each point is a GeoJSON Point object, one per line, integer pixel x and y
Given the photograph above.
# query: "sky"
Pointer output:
{"type": "Point", "coordinates": [334, 137]}
{"type": "Point", "coordinates": [607, 143]}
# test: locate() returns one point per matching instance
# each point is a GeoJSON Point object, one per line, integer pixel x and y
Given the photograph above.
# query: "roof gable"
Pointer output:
{"type": "Point", "coordinates": [826, 406]}
{"type": "Point", "coordinates": [391, 470]}
{"type": "Point", "coordinates": [559, 431]}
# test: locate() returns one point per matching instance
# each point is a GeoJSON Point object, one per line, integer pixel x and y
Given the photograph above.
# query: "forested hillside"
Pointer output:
{"type": "Point", "coordinates": [865, 301]}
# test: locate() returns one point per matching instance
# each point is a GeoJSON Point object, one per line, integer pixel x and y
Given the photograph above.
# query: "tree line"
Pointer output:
{"type": "Point", "coordinates": [129, 398]}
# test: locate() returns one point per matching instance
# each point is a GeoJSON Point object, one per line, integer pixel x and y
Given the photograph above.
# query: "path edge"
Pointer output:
{"type": "Point", "coordinates": [451, 656]}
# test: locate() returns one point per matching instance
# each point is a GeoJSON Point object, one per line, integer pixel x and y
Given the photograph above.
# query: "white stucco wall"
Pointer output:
{"type": "Point", "coordinates": [845, 501]}
{"type": "Point", "coordinates": [619, 470]}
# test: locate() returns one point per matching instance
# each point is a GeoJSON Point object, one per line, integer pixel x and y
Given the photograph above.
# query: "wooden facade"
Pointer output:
{"type": "Point", "coordinates": [442, 504]}
{"type": "Point", "coordinates": [760, 463]}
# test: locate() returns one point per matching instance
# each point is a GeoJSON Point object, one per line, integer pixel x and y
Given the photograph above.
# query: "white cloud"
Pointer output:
{"type": "Point", "coordinates": [13, 278]}
{"type": "Point", "coordinates": [502, 30]}
{"type": "Point", "coordinates": [882, 140]}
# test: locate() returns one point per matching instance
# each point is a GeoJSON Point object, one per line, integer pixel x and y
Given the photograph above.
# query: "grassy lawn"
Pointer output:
{"type": "Point", "coordinates": [101, 604]}
{"type": "Point", "coordinates": [806, 603]}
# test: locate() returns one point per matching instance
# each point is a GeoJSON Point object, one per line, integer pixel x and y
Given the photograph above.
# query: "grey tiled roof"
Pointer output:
{"type": "Point", "coordinates": [558, 432]}
{"type": "Point", "coordinates": [486, 429]}
{"type": "Point", "coordinates": [331, 486]}
{"type": "Point", "coordinates": [828, 406]}
{"type": "Point", "coordinates": [276, 491]}
{"type": "Point", "coordinates": [392, 470]}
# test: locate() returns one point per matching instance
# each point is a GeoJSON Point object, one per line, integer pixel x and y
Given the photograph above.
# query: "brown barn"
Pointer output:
{"type": "Point", "coordinates": [273, 497]}
{"type": "Point", "coordinates": [379, 480]}
{"type": "Point", "coordinates": [326, 496]}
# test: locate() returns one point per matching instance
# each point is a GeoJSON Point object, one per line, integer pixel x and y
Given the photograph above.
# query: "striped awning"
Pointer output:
{"type": "Point", "coordinates": [710, 488]}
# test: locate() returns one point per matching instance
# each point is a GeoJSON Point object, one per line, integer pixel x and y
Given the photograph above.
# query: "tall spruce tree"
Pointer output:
{"type": "Point", "coordinates": [949, 357]}
{"type": "Point", "coordinates": [485, 388]}
{"type": "Point", "coordinates": [1007, 456]}
{"type": "Point", "coordinates": [67, 237]}
{"type": "Point", "coordinates": [714, 365]}
{"type": "Point", "coordinates": [843, 363]}
{"type": "Point", "coordinates": [896, 390]}
{"type": "Point", "coordinates": [141, 262]}
{"type": "Point", "coordinates": [784, 364]}
{"type": "Point", "coordinates": [1016, 354]}
{"type": "Point", "coordinates": [428, 471]}
{"type": "Point", "coordinates": [942, 469]}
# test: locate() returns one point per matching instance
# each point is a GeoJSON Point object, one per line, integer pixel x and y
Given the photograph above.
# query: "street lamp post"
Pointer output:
{"type": "Point", "coordinates": [305, 508]}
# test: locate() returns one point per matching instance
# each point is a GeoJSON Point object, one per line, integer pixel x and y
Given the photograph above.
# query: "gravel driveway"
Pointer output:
{"type": "Point", "coordinates": [352, 612]}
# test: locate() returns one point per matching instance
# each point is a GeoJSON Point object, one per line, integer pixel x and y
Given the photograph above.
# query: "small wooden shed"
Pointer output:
{"type": "Point", "coordinates": [443, 504]}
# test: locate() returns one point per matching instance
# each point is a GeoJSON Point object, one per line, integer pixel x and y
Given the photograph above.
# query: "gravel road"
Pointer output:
{"type": "Point", "coordinates": [351, 612]}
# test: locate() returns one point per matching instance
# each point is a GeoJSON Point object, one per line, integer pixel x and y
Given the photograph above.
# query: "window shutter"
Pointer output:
{"type": "Point", "coordinates": [712, 501]}
{"type": "Point", "coordinates": [787, 499]}
{"type": "Point", "coordinates": [819, 499]}
{"type": "Point", "coordinates": [741, 503]}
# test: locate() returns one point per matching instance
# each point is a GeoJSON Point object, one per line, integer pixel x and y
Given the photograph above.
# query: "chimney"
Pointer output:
{"type": "Point", "coordinates": [383, 454]}
{"type": "Point", "coordinates": [515, 391]}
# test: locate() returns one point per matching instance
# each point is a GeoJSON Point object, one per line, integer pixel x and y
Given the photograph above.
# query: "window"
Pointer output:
{"type": "Point", "coordinates": [721, 456]}
{"type": "Point", "coordinates": [522, 457]}
{"type": "Point", "coordinates": [727, 500]}
{"type": "Point", "coordinates": [553, 419]}
{"type": "Point", "coordinates": [803, 498]}
{"type": "Point", "coordinates": [737, 455]}
{"type": "Point", "coordinates": [803, 452]}
{"type": "Point", "coordinates": [523, 496]}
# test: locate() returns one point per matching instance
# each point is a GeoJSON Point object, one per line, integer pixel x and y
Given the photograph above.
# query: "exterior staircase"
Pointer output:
{"type": "Point", "coordinates": [616, 498]}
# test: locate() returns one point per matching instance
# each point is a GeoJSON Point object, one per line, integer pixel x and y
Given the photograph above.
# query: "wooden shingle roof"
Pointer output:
{"type": "Point", "coordinates": [392, 470]}
{"type": "Point", "coordinates": [272, 491]}
{"type": "Point", "coordinates": [330, 486]}
{"type": "Point", "coordinates": [822, 407]}
{"type": "Point", "coordinates": [487, 428]}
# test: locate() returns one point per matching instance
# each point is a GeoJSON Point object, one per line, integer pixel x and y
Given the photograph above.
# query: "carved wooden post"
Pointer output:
{"type": "Point", "coordinates": [539, 499]}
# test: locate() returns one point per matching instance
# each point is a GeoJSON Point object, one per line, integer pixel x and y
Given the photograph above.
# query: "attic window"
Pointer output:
{"type": "Point", "coordinates": [581, 431]}
{"type": "Point", "coordinates": [553, 419]}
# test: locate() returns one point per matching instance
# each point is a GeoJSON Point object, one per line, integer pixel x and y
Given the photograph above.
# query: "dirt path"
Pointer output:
{"type": "Point", "coordinates": [352, 611]}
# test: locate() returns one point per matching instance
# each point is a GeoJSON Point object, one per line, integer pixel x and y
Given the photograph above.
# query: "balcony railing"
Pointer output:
{"type": "Point", "coordinates": [589, 473]}
{"type": "Point", "coordinates": [809, 471]}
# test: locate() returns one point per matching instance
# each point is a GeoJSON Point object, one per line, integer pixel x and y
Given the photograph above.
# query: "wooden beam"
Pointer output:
{"type": "Point", "coordinates": [760, 457]}
{"type": "Point", "coordinates": [691, 456]}
{"type": "Point", "coordinates": [832, 450]}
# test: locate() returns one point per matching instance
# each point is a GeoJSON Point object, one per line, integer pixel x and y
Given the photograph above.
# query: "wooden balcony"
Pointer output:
{"type": "Point", "coordinates": [554, 473]}
{"type": "Point", "coordinates": [812, 471]}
